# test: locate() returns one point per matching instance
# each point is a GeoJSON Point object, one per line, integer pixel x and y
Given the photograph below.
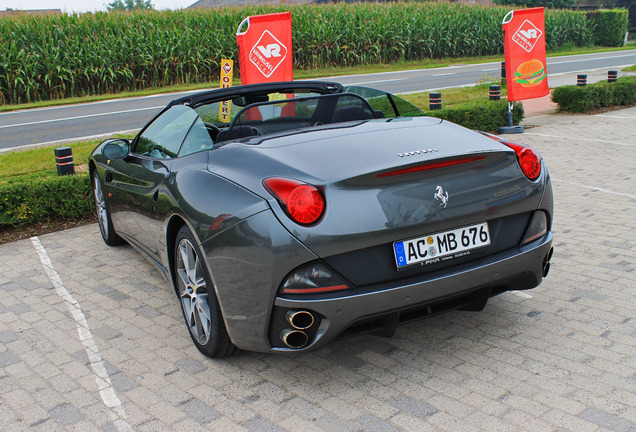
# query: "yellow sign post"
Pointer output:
{"type": "Point", "coordinates": [225, 109]}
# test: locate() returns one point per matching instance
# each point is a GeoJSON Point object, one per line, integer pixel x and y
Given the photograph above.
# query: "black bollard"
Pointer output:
{"type": "Point", "coordinates": [503, 73]}
{"type": "Point", "coordinates": [612, 76]}
{"type": "Point", "coordinates": [435, 101]}
{"type": "Point", "coordinates": [64, 161]}
{"type": "Point", "coordinates": [581, 80]}
{"type": "Point", "coordinates": [495, 92]}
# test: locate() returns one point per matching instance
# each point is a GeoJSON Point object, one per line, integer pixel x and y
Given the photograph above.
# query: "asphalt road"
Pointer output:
{"type": "Point", "coordinates": [59, 124]}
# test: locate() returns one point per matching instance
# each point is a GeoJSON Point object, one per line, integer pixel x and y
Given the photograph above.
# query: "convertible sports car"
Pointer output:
{"type": "Point", "coordinates": [286, 215]}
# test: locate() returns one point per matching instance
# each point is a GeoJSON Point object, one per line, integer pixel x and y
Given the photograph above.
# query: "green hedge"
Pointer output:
{"type": "Point", "coordinates": [603, 94]}
{"type": "Point", "coordinates": [485, 116]}
{"type": "Point", "coordinates": [609, 26]}
{"type": "Point", "coordinates": [37, 200]}
{"type": "Point", "coordinates": [53, 57]}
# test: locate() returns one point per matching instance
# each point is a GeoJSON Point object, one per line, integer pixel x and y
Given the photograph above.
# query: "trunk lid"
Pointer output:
{"type": "Point", "coordinates": [381, 187]}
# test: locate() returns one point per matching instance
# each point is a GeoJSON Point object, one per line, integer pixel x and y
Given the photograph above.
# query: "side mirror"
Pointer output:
{"type": "Point", "coordinates": [116, 149]}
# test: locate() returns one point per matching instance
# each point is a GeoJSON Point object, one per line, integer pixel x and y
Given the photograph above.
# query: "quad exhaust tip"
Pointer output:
{"type": "Point", "coordinates": [294, 338]}
{"type": "Point", "coordinates": [300, 320]}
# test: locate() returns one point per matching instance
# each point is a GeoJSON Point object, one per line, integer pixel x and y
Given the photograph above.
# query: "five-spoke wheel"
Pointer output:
{"type": "Point", "coordinates": [198, 299]}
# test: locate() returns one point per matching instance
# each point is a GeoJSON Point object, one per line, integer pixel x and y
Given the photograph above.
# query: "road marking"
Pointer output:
{"type": "Point", "coordinates": [106, 390]}
{"type": "Point", "coordinates": [436, 89]}
{"type": "Point", "coordinates": [489, 70]}
{"type": "Point", "coordinates": [443, 74]}
{"type": "Point", "coordinates": [81, 117]}
{"type": "Point", "coordinates": [374, 82]}
{"type": "Point", "coordinates": [66, 140]}
{"type": "Point", "coordinates": [550, 74]}
{"type": "Point", "coordinates": [580, 139]}
{"type": "Point", "coordinates": [596, 58]}
{"type": "Point", "coordinates": [408, 71]}
{"type": "Point", "coordinates": [107, 101]}
{"type": "Point", "coordinates": [594, 188]}
{"type": "Point", "coordinates": [521, 294]}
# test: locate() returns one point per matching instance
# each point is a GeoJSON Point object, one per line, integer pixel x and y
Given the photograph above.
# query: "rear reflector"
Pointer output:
{"type": "Point", "coordinates": [538, 227]}
{"type": "Point", "coordinates": [431, 166]}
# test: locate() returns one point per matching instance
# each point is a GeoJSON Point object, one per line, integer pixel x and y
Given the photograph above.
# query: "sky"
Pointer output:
{"type": "Point", "coordinates": [69, 6]}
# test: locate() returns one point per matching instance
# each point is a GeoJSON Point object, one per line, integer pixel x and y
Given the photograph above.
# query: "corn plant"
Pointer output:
{"type": "Point", "coordinates": [52, 57]}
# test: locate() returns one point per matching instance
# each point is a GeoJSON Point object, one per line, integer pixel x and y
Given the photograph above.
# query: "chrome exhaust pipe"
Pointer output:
{"type": "Point", "coordinates": [294, 338]}
{"type": "Point", "coordinates": [546, 263]}
{"type": "Point", "coordinates": [300, 320]}
{"type": "Point", "coordinates": [546, 269]}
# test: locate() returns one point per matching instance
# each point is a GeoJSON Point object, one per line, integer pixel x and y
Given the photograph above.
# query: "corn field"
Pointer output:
{"type": "Point", "coordinates": [52, 57]}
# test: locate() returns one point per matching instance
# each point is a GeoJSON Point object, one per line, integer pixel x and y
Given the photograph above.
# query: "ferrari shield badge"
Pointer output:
{"type": "Point", "coordinates": [441, 196]}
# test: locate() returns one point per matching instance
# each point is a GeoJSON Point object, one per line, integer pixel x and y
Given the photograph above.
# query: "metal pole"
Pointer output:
{"type": "Point", "coordinates": [510, 129]}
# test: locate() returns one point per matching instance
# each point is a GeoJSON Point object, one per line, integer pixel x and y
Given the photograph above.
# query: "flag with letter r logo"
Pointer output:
{"type": "Point", "coordinates": [265, 48]}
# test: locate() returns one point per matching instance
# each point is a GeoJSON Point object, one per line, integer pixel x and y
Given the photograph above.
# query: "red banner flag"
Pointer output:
{"type": "Point", "coordinates": [265, 48]}
{"type": "Point", "coordinates": [524, 50]}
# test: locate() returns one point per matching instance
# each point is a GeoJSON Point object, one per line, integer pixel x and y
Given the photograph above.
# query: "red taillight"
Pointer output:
{"type": "Point", "coordinates": [303, 203]}
{"type": "Point", "coordinates": [431, 166]}
{"type": "Point", "coordinates": [528, 159]}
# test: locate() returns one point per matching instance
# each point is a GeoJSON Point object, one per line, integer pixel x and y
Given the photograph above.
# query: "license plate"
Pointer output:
{"type": "Point", "coordinates": [432, 248]}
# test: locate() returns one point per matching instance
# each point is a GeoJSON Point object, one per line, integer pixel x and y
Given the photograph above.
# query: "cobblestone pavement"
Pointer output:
{"type": "Point", "coordinates": [94, 339]}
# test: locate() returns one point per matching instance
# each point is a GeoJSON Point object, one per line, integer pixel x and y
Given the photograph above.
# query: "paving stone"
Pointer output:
{"type": "Point", "coordinates": [345, 360]}
{"type": "Point", "coordinates": [414, 407]}
{"type": "Point", "coordinates": [190, 366]}
{"type": "Point", "coordinates": [607, 420]}
{"type": "Point", "coordinates": [260, 424]}
{"type": "Point", "coordinates": [122, 382]}
{"type": "Point", "coordinates": [148, 311]}
{"type": "Point", "coordinates": [117, 296]}
{"type": "Point", "coordinates": [66, 414]}
{"type": "Point", "coordinates": [141, 285]}
{"type": "Point", "coordinates": [106, 332]}
{"type": "Point", "coordinates": [199, 411]}
{"type": "Point", "coordinates": [373, 424]}
{"type": "Point", "coordinates": [7, 336]}
{"type": "Point", "coordinates": [8, 359]}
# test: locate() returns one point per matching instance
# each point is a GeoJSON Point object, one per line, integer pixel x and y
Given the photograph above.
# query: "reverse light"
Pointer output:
{"type": "Point", "coordinates": [312, 279]}
{"type": "Point", "coordinates": [528, 159]}
{"type": "Point", "coordinates": [302, 202]}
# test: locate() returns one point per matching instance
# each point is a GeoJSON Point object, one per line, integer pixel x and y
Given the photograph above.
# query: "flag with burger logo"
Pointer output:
{"type": "Point", "coordinates": [524, 50]}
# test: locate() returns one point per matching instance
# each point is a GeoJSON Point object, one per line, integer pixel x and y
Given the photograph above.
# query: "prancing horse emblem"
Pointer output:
{"type": "Point", "coordinates": [441, 196]}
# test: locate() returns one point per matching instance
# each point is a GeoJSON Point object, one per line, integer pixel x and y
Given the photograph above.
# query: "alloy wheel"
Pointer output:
{"type": "Point", "coordinates": [193, 292]}
{"type": "Point", "coordinates": [100, 205]}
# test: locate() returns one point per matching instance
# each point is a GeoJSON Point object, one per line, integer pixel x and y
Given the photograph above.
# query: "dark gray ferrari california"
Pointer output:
{"type": "Point", "coordinates": [286, 215]}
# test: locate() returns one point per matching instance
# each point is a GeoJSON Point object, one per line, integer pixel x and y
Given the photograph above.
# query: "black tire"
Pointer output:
{"type": "Point", "coordinates": [104, 221]}
{"type": "Point", "coordinates": [198, 300]}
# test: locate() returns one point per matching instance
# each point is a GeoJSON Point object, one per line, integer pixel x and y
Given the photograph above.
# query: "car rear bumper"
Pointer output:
{"type": "Point", "coordinates": [466, 287]}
